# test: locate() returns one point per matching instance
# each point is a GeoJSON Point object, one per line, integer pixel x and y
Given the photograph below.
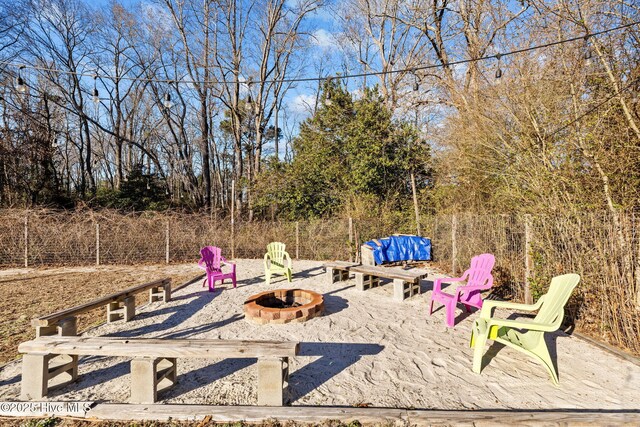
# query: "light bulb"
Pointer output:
{"type": "Point", "coordinates": [167, 101]}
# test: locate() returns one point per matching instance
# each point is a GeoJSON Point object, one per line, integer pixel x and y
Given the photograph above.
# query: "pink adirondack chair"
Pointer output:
{"type": "Point", "coordinates": [478, 278]}
{"type": "Point", "coordinates": [212, 261]}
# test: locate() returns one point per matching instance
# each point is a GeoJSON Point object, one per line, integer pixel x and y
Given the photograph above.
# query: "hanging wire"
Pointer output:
{"type": "Point", "coordinates": [416, 84]}
{"type": "Point", "coordinates": [346, 76]}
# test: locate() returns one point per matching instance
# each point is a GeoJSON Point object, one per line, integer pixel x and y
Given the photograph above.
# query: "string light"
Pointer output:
{"type": "Point", "coordinates": [346, 76]}
{"type": "Point", "coordinates": [96, 95]}
{"type": "Point", "coordinates": [20, 85]}
{"type": "Point", "coordinates": [587, 49]}
{"type": "Point", "coordinates": [167, 101]}
{"type": "Point", "coordinates": [499, 70]}
{"type": "Point", "coordinates": [249, 103]}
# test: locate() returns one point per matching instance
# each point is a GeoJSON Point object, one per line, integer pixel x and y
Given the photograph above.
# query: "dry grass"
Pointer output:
{"type": "Point", "coordinates": [29, 294]}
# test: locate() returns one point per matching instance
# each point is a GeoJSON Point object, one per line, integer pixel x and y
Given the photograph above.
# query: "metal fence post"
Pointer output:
{"type": "Point", "coordinates": [350, 239]}
{"type": "Point", "coordinates": [528, 299]}
{"type": "Point", "coordinates": [26, 239]}
{"type": "Point", "coordinates": [97, 243]}
{"type": "Point", "coordinates": [297, 240]}
{"type": "Point", "coordinates": [167, 242]}
{"type": "Point", "coordinates": [454, 249]}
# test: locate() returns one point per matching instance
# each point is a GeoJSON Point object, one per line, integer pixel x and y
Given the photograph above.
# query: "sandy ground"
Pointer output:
{"type": "Point", "coordinates": [367, 349]}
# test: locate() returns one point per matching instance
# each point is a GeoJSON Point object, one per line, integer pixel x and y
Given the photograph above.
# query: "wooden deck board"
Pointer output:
{"type": "Point", "coordinates": [319, 414]}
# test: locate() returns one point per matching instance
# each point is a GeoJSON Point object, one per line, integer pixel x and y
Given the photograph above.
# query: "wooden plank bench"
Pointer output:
{"type": "Point", "coordinates": [405, 283]}
{"type": "Point", "coordinates": [153, 362]}
{"type": "Point", "coordinates": [120, 305]}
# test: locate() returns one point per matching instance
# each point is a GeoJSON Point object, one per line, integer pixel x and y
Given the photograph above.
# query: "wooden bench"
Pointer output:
{"type": "Point", "coordinates": [120, 305]}
{"type": "Point", "coordinates": [405, 283]}
{"type": "Point", "coordinates": [153, 366]}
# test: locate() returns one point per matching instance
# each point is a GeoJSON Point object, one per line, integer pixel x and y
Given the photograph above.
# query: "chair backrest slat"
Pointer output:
{"type": "Point", "coordinates": [560, 289]}
{"type": "Point", "coordinates": [479, 272]}
{"type": "Point", "coordinates": [276, 251]}
{"type": "Point", "coordinates": [211, 257]}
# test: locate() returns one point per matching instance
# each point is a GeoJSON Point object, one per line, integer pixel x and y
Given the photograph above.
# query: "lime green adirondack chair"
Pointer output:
{"type": "Point", "coordinates": [550, 308]}
{"type": "Point", "coordinates": [274, 261]}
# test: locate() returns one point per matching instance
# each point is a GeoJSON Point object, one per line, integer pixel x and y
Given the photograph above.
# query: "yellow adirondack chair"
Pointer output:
{"type": "Point", "coordinates": [550, 314]}
{"type": "Point", "coordinates": [274, 261]}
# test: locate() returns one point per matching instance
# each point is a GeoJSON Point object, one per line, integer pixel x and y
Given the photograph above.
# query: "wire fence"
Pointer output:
{"type": "Point", "coordinates": [529, 250]}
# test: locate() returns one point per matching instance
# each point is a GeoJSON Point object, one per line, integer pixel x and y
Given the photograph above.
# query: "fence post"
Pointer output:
{"type": "Point", "coordinates": [297, 240]}
{"type": "Point", "coordinates": [97, 243]}
{"type": "Point", "coordinates": [166, 248]}
{"type": "Point", "coordinates": [233, 213]}
{"type": "Point", "coordinates": [454, 249]}
{"type": "Point", "coordinates": [26, 239]}
{"type": "Point", "coordinates": [636, 237]}
{"type": "Point", "coordinates": [527, 259]}
{"type": "Point", "coordinates": [350, 239]}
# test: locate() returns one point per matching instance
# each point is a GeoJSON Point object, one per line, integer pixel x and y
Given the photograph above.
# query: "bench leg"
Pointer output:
{"type": "Point", "coordinates": [166, 292]}
{"type": "Point", "coordinates": [150, 376]}
{"type": "Point", "coordinates": [403, 290]}
{"type": "Point", "coordinates": [331, 275]}
{"type": "Point", "coordinates": [272, 374]}
{"type": "Point", "coordinates": [162, 292]}
{"type": "Point", "coordinates": [121, 310]}
{"type": "Point", "coordinates": [65, 327]}
{"type": "Point", "coordinates": [35, 378]}
{"type": "Point", "coordinates": [63, 369]}
{"type": "Point", "coordinates": [143, 380]}
{"type": "Point", "coordinates": [366, 281]}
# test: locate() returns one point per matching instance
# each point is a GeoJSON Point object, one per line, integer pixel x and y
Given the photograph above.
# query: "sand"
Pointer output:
{"type": "Point", "coordinates": [367, 349]}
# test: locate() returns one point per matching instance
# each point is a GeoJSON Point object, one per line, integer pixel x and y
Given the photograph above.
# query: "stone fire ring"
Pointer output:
{"type": "Point", "coordinates": [262, 308]}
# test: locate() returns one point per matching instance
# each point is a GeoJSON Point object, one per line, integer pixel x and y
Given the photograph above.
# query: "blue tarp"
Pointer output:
{"type": "Point", "coordinates": [401, 248]}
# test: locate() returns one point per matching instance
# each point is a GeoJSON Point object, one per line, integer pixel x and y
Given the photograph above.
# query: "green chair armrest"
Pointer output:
{"type": "Point", "coordinates": [489, 305]}
{"type": "Point", "coordinates": [286, 255]}
{"type": "Point", "coordinates": [517, 324]}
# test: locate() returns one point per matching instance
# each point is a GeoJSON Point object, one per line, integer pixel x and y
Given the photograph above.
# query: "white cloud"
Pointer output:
{"type": "Point", "coordinates": [324, 39]}
{"type": "Point", "coordinates": [302, 104]}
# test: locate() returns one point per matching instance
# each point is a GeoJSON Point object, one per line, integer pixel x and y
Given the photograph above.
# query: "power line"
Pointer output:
{"type": "Point", "coordinates": [312, 79]}
{"type": "Point", "coordinates": [595, 108]}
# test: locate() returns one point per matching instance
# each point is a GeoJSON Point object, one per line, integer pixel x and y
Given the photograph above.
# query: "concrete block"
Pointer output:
{"type": "Point", "coordinates": [271, 374]}
{"type": "Point", "coordinates": [35, 376]}
{"type": "Point", "coordinates": [143, 380]}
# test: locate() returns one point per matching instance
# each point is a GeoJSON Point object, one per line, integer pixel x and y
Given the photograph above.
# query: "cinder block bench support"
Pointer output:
{"type": "Point", "coordinates": [273, 373]}
{"type": "Point", "coordinates": [39, 369]}
{"type": "Point", "coordinates": [160, 293]}
{"type": "Point", "coordinates": [403, 290]}
{"type": "Point", "coordinates": [65, 327]}
{"type": "Point", "coordinates": [125, 309]}
{"type": "Point", "coordinates": [149, 376]}
{"type": "Point", "coordinates": [336, 275]}
{"type": "Point", "coordinates": [366, 281]}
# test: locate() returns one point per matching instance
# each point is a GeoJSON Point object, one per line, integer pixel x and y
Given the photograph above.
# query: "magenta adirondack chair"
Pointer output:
{"type": "Point", "coordinates": [478, 278]}
{"type": "Point", "coordinates": [212, 261]}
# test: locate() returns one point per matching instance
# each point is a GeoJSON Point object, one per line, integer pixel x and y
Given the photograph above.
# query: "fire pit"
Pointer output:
{"type": "Point", "coordinates": [283, 306]}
